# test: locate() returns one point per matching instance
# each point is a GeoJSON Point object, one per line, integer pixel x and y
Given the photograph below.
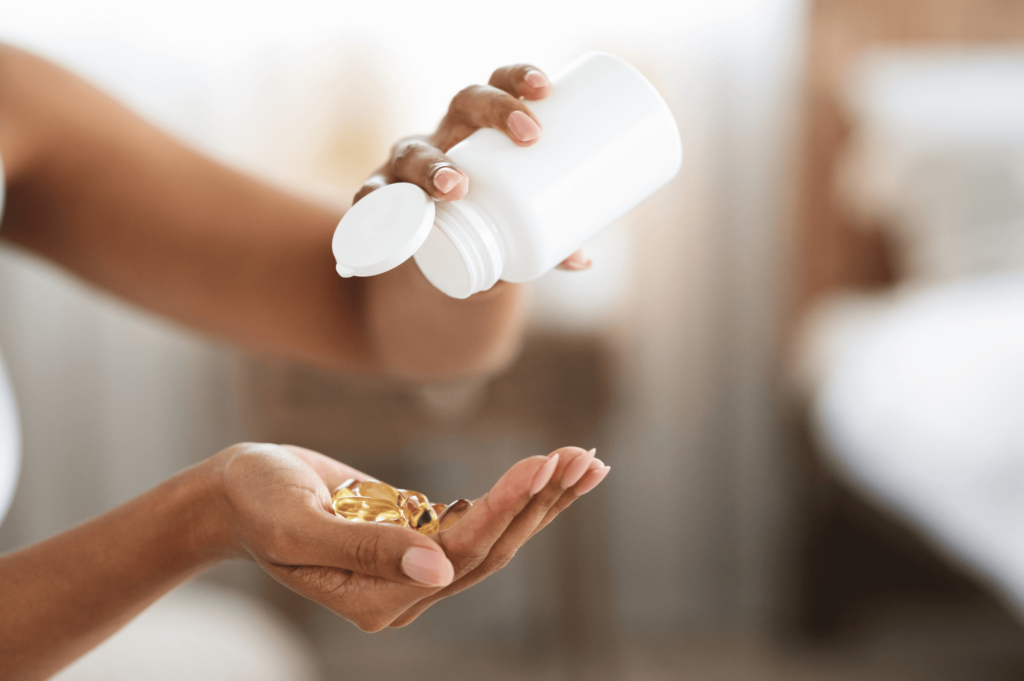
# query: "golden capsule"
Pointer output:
{"type": "Point", "coordinates": [418, 496]}
{"type": "Point", "coordinates": [367, 509]}
{"type": "Point", "coordinates": [452, 513]}
{"type": "Point", "coordinates": [439, 508]}
{"type": "Point", "coordinates": [380, 490]}
{"type": "Point", "coordinates": [414, 501]}
{"type": "Point", "coordinates": [349, 488]}
{"type": "Point", "coordinates": [423, 519]}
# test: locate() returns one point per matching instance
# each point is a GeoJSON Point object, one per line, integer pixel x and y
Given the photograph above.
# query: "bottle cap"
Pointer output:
{"type": "Point", "coordinates": [382, 230]}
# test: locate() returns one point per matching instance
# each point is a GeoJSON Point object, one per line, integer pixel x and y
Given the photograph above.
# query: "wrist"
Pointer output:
{"type": "Point", "coordinates": [206, 514]}
{"type": "Point", "coordinates": [418, 334]}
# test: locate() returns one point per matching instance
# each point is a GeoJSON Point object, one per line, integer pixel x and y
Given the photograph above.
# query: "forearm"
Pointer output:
{"type": "Point", "coordinates": [63, 596]}
{"type": "Point", "coordinates": [420, 333]}
{"type": "Point", "coordinates": [99, 191]}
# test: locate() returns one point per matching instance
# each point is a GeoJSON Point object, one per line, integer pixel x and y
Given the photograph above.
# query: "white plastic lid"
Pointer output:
{"type": "Point", "coordinates": [382, 230]}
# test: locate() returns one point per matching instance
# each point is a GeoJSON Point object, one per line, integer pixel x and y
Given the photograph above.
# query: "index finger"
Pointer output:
{"type": "Point", "coordinates": [568, 464]}
{"type": "Point", "coordinates": [469, 541]}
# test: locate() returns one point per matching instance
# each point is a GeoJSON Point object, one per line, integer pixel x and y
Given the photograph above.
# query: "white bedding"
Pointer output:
{"type": "Point", "coordinates": [924, 410]}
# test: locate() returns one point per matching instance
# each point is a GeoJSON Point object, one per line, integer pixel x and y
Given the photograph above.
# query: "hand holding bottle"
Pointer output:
{"type": "Point", "coordinates": [421, 159]}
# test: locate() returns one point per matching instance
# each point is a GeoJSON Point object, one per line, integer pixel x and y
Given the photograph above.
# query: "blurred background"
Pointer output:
{"type": "Point", "coordinates": [803, 358]}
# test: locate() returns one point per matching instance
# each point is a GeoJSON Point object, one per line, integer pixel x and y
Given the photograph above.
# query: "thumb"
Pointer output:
{"type": "Point", "coordinates": [397, 554]}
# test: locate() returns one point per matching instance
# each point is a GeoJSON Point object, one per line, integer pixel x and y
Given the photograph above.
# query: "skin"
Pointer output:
{"type": "Point", "coordinates": [95, 189]}
{"type": "Point", "coordinates": [232, 256]}
{"type": "Point", "coordinates": [269, 504]}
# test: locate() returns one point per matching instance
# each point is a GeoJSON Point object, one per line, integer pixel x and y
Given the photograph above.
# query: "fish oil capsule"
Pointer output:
{"type": "Point", "coordinates": [439, 508]}
{"type": "Point", "coordinates": [414, 501]}
{"type": "Point", "coordinates": [382, 491]}
{"type": "Point", "coordinates": [420, 497]}
{"type": "Point", "coordinates": [349, 488]}
{"type": "Point", "coordinates": [367, 509]}
{"type": "Point", "coordinates": [423, 519]}
{"type": "Point", "coordinates": [452, 513]}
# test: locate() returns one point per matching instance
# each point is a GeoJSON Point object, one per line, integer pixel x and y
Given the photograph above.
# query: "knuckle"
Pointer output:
{"type": "Point", "coordinates": [326, 581]}
{"type": "Point", "coordinates": [499, 75]}
{"type": "Point", "coordinates": [463, 99]}
{"type": "Point", "coordinates": [510, 76]}
{"type": "Point", "coordinates": [407, 145]}
{"type": "Point", "coordinates": [498, 560]}
{"type": "Point", "coordinates": [404, 142]}
{"type": "Point", "coordinates": [502, 104]}
{"type": "Point", "coordinates": [402, 152]}
{"type": "Point", "coordinates": [468, 559]}
{"type": "Point", "coordinates": [406, 153]}
{"type": "Point", "coordinates": [331, 587]}
{"type": "Point", "coordinates": [462, 95]}
{"type": "Point", "coordinates": [366, 553]}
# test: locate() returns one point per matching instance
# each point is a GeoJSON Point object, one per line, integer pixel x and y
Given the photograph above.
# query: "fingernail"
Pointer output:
{"type": "Point", "coordinates": [523, 127]}
{"type": "Point", "coordinates": [446, 179]}
{"type": "Point", "coordinates": [576, 470]}
{"type": "Point", "coordinates": [536, 79]}
{"type": "Point", "coordinates": [427, 567]}
{"type": "Point", "coordinates": [600, 464]}
{"type": "Point", "coordinates": [543, 476]}
{"type": "Point", "coordinates": [580, 260]}
{"type": "Point", "coordinates": [451, 515]}
{"type": "Point", "coordinates": [593, 480]}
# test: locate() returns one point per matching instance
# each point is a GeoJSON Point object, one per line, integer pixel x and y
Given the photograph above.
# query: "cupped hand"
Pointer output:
{"type": "Point", "coordinates": [377, 575]}
{"type": "Point", "coordinates": [421, 159]}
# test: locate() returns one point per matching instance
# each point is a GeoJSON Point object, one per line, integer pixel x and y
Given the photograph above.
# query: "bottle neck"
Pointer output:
{"type": "Point", "coordinates": [475, 237]}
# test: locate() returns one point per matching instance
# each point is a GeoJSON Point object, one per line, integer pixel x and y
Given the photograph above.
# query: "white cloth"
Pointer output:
{"type": "Point", "coordinates": [201, 632]}
{"type": "Point", "coordinates": [924, 412]}
{"type": "Point", "coordinates": [10, 440]}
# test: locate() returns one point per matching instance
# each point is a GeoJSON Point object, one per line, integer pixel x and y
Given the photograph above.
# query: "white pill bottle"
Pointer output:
{"type": "Point", "coordinates": [609, 141]}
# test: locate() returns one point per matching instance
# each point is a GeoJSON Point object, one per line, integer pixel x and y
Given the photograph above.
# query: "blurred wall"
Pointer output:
{"type": "Point", "coordinates": [686, 288]}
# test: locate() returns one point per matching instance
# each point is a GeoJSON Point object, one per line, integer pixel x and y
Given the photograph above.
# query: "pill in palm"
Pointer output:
{"type": "Point", "coordinates": [346, 489]}
{"type": "Point", "coordinates": [367, 509]}
{"type": "Point", "coordinates": [423, 519]}
{"type": "Point", "coordinates": [415, 498]}
{"type": "Point", "coordinates": [380, 490]}
{"type": "Point", "coordinates": [375, 501]}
